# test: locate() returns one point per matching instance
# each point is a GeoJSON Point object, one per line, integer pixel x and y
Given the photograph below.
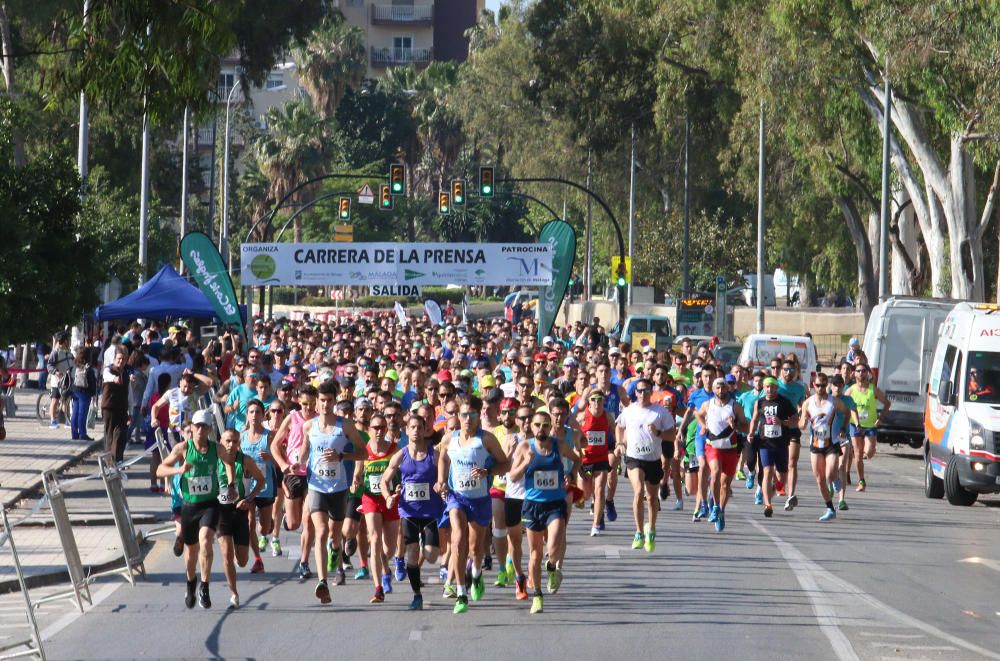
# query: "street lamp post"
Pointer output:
{"type": "Point", "coordinates": [224, 234]}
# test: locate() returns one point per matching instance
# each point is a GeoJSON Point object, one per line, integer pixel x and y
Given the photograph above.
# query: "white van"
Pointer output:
{"type": "Point", "coordinates": [900, 338]}
{"type": "Point", "coordinates": [962, 413]}
{"type": "Point", "coordinates": [759, 349]}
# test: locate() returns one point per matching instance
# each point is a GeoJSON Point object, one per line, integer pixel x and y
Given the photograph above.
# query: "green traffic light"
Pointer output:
{"type": "Point", "coordinates": [459, 199]}
{"type": "Point", "coordinates": [487, 189]}
{"type": "Point", "coordinates": [397, 187]}
{"type": "Point", "coordinates": [621, 281]}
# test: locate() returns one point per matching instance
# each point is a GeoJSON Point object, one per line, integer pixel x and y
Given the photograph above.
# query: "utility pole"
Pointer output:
{"type": "Point", "coordinates": [760, 225]}
{"type": "Point", "coordinates": [686, 279]}
{"type": "Point", "coordinates": [144, 192]}
{"type": "Point", "coordinates": [883, 243]}
{"type": "Point", "coordinates": [83, 141]}
{"type": "Point", "coordinates": [631, 209]}
{"type": "Point", "coordinates": [587, 230]}
{"type": "Point", "coordinates": [184, 174]}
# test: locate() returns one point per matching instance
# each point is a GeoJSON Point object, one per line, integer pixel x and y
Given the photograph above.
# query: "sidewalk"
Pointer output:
{"type": "Point", "coordinates": [31, 448]}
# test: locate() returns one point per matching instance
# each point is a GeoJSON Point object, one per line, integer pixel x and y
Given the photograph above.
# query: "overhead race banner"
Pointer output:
{"type": "Point", "coordinates": [309, 264]}
{"type": "Point", "coordinates": [560, 236]}
{"type": "Point", "coordinates": [396, 291]}
{"type": "Point", "coordinates": [203, 260]}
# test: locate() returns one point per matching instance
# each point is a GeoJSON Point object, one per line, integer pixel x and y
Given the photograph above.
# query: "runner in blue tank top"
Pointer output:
{"type": "Point", "coordinates": [540, 463]}
{"type": "Point", "coordinates": [419, 504]}
{"type": "Point", "coordinates": [254, 443]}
{"type": "Point", "coordinates": [467, 458]}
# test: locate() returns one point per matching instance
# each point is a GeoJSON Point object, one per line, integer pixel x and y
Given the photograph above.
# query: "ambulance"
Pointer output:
{"type": "Point", "coordinates": [962, 409]}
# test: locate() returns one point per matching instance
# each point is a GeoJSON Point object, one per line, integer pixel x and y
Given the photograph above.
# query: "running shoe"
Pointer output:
{"type": "Point", "coordinates": [536, 605]}
{"type": "Point", "coordinates": [304, 572]}
{"type": "Point", "coordinates": [262, 543]}
{"type": "Point", "coordinates": [501, 581]}
{"type": "Point", "coordinates": [521, 588]}
{"type": "Point", "coordinates": [836, 487]}
{"type": "Point", "coordinates": [702, 511]}
{"type": "Point", "coordinates": [258, 566]}
{"type": "Point", "coordinates": [387, 583]}
{"type": "Point", "coordinates": [779, 487]}
{"type": "Point", "coordinates": [650, 540]}
{"type": "Point", "coordinates": [443, 573]}
{"type": "Point", "coordinates": [478, 587]}
{"type": "Point", "coordinates": [720, 521]}
{"type": "Point", "coordinates": [54, 425]}
{"type": "Point", "coordinates": [332, 559]}
{"type": "Point", "coordinates": [637, 541]}
{"type": "Point", "coordinates": [664, 491]}
{"type": "Point", "coordinates": [234, 602]}
{"type": "Point", "coordinates": [362, 574]}
{"type": "Point", "coordinates": [461, 605]}
{"type": "Point", "coordinates": [322, 592]}
{"type": "Point", "coordinates": [378, 597]}
{"type": "Point", "coordinates": [400, 569]}
{"type": "Point", "coordinates": [678, 505]}
{"type": "Point", "coordinates": [595, 531]}
{"type": "Point", "coordinates": [829, 515]}
{"type": "Point", "coordinates": [189, 595]}
{"type": "Point", "coordinates": [758, 497]}
{"type": "Point", "coordinates": [417, 604]}
{"type": "Point", "coordinates": [449, 592]}
{"type": "Point", "coordinates": [612, 511]}
{"type": "Point", "coordinates": [600, 523]}
{"type": "Point", "coordinates": [487, 562]}
{"type": "Point", "coordinates": [713, 514]}
{"type": "Point", "coordinates": [555, 580]}
{"type": "Point", "coordinates": [275, 547]}
{"type": "Point", "coordinates": [203, 598]}
{"type": "Point", "coordinates": [861, 486]}
{"type": "Point", "coordinates": [509, 567]}
{"type": "Point", "coordinates": [791, 503]}
{"type": "Point", "coordinates": [350, 546]}
{"type": "Point", "coordinates": [749, 481]}
{"type": "Point", "coordinates": [842, 506]}
{"type": "Point", "coordinates": [768, 512]}
{"type": "Point", "coordinates": [740, 475]}
{"type": "Point", "coordinates": [340, 577]}
{"type": "Point", "coordinates": [178, 546]}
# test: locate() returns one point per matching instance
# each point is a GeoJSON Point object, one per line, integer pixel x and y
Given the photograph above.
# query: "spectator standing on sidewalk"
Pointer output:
{"type": "Point", "coordinates": [58, 365]}
{"type": "Point", "coordinates": [83, 387]}
{"type": "Point", "coordinates": [114, 406]}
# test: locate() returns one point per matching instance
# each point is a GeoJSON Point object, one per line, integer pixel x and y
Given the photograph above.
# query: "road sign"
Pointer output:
{"type": "Point", "coordinates": [615, 261]}
{"type": "Point", "coordinates": [366, 195]}
{"type": "Point", "coordinates": [343, 233]}
{"type": "Point", "coordinates": [337, 294]}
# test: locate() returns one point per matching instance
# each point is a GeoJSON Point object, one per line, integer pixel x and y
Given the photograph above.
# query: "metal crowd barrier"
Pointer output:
{"type": "Point", "coordinates": [113, 485]}
{"type": "Point", "coordinates": [79, 584]}
{"type": "Point", "coordinates": [32, 645]}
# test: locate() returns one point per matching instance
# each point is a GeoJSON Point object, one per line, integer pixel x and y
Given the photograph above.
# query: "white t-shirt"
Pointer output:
{"type": "Point", "coordinates": [643, 427]}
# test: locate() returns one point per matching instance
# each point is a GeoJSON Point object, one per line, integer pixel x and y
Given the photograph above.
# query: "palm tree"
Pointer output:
{"type": "Point", "coordinates": [332, 61]}
{"type": "Point", "coordinates": [290, 152]}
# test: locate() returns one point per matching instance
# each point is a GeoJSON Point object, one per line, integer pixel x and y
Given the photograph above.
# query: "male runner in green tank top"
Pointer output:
{"type": "Point", "coordinates": [198, 463]}
{"type": "Point", "coordinates": [234, 502]}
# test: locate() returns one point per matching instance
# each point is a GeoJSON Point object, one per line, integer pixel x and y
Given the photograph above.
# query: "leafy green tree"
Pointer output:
{"type": "Point", "coordinates": [330, 63]}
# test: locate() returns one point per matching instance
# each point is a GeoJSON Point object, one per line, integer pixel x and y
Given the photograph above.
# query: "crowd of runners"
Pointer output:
{"type": "Point", "coordinates": [403, 450]}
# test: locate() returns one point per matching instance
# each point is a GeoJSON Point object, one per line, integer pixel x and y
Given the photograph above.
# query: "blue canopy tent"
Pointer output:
{"type": "Point", "coordinates": [166, 294]}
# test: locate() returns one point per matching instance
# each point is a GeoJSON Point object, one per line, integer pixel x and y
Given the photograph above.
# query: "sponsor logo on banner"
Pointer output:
{"type": "Point", "coordinates": [413, 275]}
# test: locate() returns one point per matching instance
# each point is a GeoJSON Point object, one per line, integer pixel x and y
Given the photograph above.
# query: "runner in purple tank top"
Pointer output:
{"type": "Point", "coordinates": [419, 505]}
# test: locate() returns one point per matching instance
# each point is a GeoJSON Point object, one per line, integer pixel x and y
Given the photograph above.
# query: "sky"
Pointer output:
{"type": "Point", "coordinates": [493, 5]}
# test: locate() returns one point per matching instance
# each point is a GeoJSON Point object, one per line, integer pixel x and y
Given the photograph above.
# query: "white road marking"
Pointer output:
{"type": "Point", "coordinates": [416, 635]}
{"type": "Point", "coordinates": [611, 552]}
{"type": "Point", "coordinates": [822, 605]}
{"type": "Point", "coordinates": [812, 569]}
{"type": "Point", "coordinates": [892, 635]}
{"type": "Point", "coordinates": [985, 562]}
{"type": "Point", "coordinates": [50, 631]}
{"type": "Point", "coordinates": [897, 647]}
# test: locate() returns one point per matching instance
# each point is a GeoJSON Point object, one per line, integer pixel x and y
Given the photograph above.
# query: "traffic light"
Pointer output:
{"type": "Point", "coordinates": [384, 197]}
{"type": "Point", "coordinates": [486, 181]}
{"type": "Point", "coordinates": [345, 208]}
{"type": "Point", "coordinates": [444, 203]}
{"type": "Point", "coordinates": [458, 192]}
{"type": "Point", "coordinates": [397, 178]}
{"type": "Point", "coordinates": [621, 281]}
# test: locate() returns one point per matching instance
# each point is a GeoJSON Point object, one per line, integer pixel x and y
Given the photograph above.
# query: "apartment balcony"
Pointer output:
{"type": "Point", "coordinates": [403, 15]}
{"type": "Point", "coordinates": [392, 57]}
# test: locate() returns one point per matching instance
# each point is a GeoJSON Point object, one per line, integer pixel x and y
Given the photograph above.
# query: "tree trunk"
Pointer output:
{"type": "Point", "coordinates": [7, 68]}
{"type": "Point", "coordinates": [866, 272]}
{"type": "Point", "coordinates": [906, 250]}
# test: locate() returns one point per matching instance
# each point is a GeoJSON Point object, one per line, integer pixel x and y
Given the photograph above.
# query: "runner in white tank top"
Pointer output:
{"type": "Point", "coordinates": [819, 412]}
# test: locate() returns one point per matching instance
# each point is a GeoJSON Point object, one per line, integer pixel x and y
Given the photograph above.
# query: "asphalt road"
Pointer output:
{"type": "Point", "coordinates": [897, 576]}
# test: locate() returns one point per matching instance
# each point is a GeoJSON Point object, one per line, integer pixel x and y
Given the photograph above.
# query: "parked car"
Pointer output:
{"type": "Point", "coordinates": [645, 323]}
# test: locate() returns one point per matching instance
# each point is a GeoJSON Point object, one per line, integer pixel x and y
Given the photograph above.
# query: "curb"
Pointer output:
{"type": "Point", "coordinates": [103, 520]}
{"type": "Point", "coordinates": [62, 576]}
{"type": "Point", "coordinates": [35, 489]}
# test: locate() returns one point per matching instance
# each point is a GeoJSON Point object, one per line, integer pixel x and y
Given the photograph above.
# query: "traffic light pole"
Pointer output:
{"type": "Point", "coordinates": [597, 198]}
